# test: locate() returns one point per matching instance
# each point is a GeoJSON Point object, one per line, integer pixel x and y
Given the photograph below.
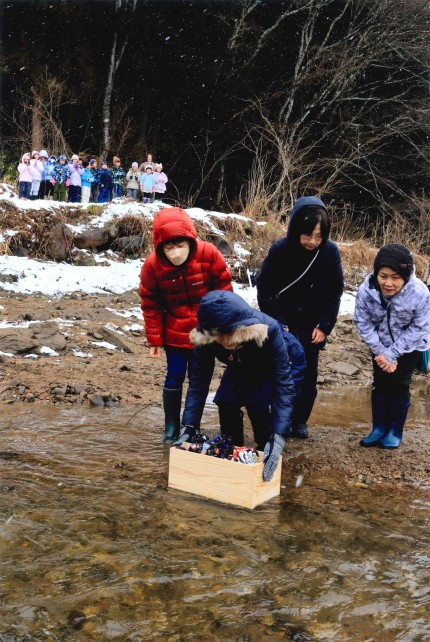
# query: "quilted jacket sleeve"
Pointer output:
{"type": "Point", "coordinates": [151, 303]}
{"type": "Point", "coordinates": [220, 274]}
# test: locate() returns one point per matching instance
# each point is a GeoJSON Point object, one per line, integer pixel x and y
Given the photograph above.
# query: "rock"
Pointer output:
{"type": "Point", "coordinates": [116, 339]}
{"type": "Point", "coordinates": [91, 238]}
{"type": "Point", "coordinates": [59, 391]}
{"type": "Point", "coordinates": [96, 400]}
{"type": "Point", "coordinates": [81, 258]}
{"type": "Point", "coordinates": [130, 245]}
{"type": "Point", "coordinates": [59, 247]}
{"type": "Point", "coordinates": [125, 368]}
{"type": "Point", "coordinates": [17, 340]}
{"type": "Point", "coordinates": [21, 390]}
{"type": "Point", "coordinates": [342, 367]}
{"type": "Point", "coordinates": [8, 278]}
{"type": "Point", "coordinates": [48, 334]}
{"type": "Point", "coordinates": [221, 244]}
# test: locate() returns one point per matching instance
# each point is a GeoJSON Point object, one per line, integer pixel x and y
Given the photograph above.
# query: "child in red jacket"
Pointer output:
{"type": "Point", "coordinates": [173, 280]}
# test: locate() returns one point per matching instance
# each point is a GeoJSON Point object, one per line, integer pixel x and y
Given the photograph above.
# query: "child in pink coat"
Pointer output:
{"type": "Point", "coordinates": [25, 177]}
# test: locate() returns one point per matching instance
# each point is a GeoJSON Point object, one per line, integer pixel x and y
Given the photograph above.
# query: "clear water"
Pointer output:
{"type": "Point", "coordinates": [93, 546]}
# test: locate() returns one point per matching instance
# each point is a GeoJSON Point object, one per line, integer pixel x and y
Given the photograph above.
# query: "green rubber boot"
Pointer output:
{"type": "Point", "coordinates": [172, 414]}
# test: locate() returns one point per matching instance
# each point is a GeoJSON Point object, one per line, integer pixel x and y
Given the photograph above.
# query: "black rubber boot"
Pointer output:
{"type": "Point", "coordinates": [299, 430]}
{"type": "Point", "coordinates": [172, 414]}
{"type": "Point", "coordinates": [379, 421]}
{"type": "Point", "coordinates": [398, 411]}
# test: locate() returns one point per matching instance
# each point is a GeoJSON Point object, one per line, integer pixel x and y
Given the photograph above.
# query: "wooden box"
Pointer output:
{"type": "Point", "coordinates": [221, 479]}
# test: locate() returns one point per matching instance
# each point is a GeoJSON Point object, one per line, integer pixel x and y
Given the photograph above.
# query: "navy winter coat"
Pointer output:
{"type": "Point", "coordinates": [250, 363]}
{"type": "Point", "coordinates": [314, 300]}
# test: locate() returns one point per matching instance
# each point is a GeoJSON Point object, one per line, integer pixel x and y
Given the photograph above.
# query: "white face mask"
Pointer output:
{"type": "Point", "coordinates": [177, 255]}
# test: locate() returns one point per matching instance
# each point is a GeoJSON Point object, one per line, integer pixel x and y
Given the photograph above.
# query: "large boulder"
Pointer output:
{"type": "Point", "coordinates": [221, 244]}
{"type": "Point", "coordinates": [17, 340]}
{"type": "Point", "coordinates": [130, 245]}
{"type": "Point", "coordinates": [60, 243]}
{"type": "Point", "coordinates": [92, 238]}
{"type": "Point", "coordinates": [47, 334]}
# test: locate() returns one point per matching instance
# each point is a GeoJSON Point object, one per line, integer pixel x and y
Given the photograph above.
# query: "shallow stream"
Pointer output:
{"type": "Point", "coordinates": [93, 546]}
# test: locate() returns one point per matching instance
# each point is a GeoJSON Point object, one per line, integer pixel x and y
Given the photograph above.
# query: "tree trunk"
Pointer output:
{"type": "Point", "coordinates": [36, 125]}
{"type": "Point", "coordinates": [107, 100]}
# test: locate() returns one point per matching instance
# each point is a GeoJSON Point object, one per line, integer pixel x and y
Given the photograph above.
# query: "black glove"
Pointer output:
{"type": "Point", "coordinates": [188, 432]}
{"type": "Point", "coordinates": [272, 452]}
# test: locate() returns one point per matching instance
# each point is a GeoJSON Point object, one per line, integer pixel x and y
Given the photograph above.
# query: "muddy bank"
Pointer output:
{"type": "Point", "coordinates": [92, 351]}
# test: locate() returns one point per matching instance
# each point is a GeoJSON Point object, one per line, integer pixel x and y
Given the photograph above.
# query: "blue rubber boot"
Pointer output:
{"type": "Point", "coordinates": [398, 409]}
{"type": "Point", "coordinates": [379, 420]}
{"type": "Point", "coordinates": [172, 414]}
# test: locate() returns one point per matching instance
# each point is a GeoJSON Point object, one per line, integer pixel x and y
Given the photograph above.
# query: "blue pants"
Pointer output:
{"type": "Point", "coordinates": [74, 193]}
{"type": "Point", "coordinates": [24, 189]}
{"type": "Point", "coordinates": [117, 190]}
{"type": "Point", "coordinates": [179, 362]}
{"type": "Point", "coordinates": [105, 195]}
{"type": "Point", "coordinates": [231, 397]}
{"type": "Point", "coordinates": [132, 193]}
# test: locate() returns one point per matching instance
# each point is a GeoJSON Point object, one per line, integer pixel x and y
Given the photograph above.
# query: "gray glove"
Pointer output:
{"type": "Point", "coordinates": [272, 452]}
{"type": "Point", "coordinates": [188, 432]}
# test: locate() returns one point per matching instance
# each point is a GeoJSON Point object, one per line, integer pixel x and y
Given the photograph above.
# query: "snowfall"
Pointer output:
{"type": "Point", "coordinates": [113, 276]}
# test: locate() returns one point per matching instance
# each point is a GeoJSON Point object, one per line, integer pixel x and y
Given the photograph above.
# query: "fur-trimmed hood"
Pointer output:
{"type": "Point", "coordinates": [257, 332]}
{"type": "Point", "coordinates": [226, 313]}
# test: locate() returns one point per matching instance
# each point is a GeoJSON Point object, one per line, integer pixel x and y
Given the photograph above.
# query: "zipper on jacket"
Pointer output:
{"type": "Point", "coordinates": [186, 289]}
{"type": "Point", "coordinates": [388, 321]}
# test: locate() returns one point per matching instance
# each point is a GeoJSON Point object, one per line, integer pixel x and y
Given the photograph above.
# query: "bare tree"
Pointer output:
{"type": "Point", "coordinates": [355, 103]}
{"type": "Point", "coordinates": [117, 52]}
{"type": "Point", "coordinates": [36, 117]}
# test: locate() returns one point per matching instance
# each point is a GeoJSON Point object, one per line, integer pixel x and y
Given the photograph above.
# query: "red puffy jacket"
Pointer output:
{"type": "Point", "coordinates": [170, 295]}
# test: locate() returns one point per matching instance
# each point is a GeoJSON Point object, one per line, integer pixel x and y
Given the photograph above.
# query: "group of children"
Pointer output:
{"type": "Point", "coordinates": [78, 181]}
{"type": "Point", "coordinates": [271, 355]}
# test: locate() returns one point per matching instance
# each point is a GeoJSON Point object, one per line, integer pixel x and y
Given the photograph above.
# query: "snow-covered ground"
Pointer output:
{"type": "Point", "coordinates": [114, 277]}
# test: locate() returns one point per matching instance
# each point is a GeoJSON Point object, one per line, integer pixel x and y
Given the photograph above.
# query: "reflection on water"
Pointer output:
{"type": "Point", "coordinates": [94, 547]}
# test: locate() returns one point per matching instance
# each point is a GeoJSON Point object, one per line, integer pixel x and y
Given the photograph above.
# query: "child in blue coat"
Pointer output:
{"type": "Point", "coordinates": [106, 184]}
{"type": "Point", "coordinates": [147, 184]}
{"type": "Point", "coordinates": [258, 374]}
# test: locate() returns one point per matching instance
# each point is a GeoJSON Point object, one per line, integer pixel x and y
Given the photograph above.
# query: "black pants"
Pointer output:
{"type": "Point", "coordinates": [46, 189]}
{"type": "Point", "coordinates": [395, 384]}
{"type": "Point", "coordinates": [306, 398]}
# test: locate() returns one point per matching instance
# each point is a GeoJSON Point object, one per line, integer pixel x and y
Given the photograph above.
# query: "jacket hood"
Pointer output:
{"type": "Point", "coordinates": [171, 223]}
{"type": "Point", "coordinates": [302, 202]}
{"type": "Point", "coordinates": [25, 157]}
{"type": "Point", "coordinates": [225, 312]}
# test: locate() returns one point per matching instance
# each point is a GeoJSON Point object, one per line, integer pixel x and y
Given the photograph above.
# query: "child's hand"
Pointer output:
{"type": "Point", "coordinates": [155, 351]}
{"type": "Point", "coordinates": [53, 181]}
{"type": "Point", "coordinates": [68, 182]}
{"type": "Point", "coordinates": [385, 365]}
{"type": "Point", "coordinates": [318, 336]}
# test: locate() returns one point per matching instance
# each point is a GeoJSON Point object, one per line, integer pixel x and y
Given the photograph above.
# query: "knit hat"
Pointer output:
{"type": "Point", "coordinates": [397, 257]}
{"type": "Point", "coordinates": [135, 163]}
{"type": "Point", "coordinates": [62, 157]}
{"type": "Point", "coordinates": [75, 157]}
{"type": "Point", "coordinates": [34, 152]}
{"type": "Point", "coordinates": [91, 161]}
{"type": "Point", "coordinates": [158, 165]}
{"type": "Point", "coordinates": [43, 153]}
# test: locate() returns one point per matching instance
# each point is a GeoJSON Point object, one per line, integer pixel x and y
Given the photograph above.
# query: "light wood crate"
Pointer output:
{"type": "Point", "coordinates": [226, 481]}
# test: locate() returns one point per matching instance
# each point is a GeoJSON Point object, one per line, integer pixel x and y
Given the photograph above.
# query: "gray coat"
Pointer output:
{"type": "Point", "coordinates": [402, 327]}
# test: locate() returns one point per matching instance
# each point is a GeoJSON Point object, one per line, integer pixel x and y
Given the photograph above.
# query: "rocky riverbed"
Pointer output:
{"type": "Point", "coordinates": [92, 350]}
